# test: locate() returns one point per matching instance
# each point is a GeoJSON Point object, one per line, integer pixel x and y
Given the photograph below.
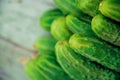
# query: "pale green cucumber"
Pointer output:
{"type": "Point", "coordinates": [59, 29]}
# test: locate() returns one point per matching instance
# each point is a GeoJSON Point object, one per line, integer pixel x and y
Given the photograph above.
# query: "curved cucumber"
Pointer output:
{"type": "Point", "coordinates": [48, 17]}
{"type": "Point", "coordinates": [96, 50]}
{"type": "Point", "coordinates": [89, 7]}
{"type": "Point", "coordinates": [106, 29]}
{"type": "Point", "coordinates": [79, 67]}
{"type": "Point", "coordinates": [59, 29]}
{"type": "Point", "coordinates": [111, 9]}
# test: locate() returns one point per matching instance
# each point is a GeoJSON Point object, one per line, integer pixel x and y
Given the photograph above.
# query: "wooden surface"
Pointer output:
{"type": "Point", "coordinates": [19, 28]}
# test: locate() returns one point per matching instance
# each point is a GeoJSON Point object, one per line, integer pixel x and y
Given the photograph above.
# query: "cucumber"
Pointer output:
{"type": "Point", "coordinates": [106, 29]}
{"type": "Point", "coordinates": [48, 17]}
{"type": "Point", "coordinates": [32, 71]}
{"type": "Point", "coordinates": [45, 44]}
{"type": "Point", "coordinates": [70, 7]}
{"type": "Point", "coordinates": [96, 50]}
{"type": "Point", "coordinates": [45, 67]}
{"type": "Point", "coordinates": [59, 29]}
{"type": "Point", "coordinates": [111, 9]}
{"type": "Point", "coordinates": [79, 67]}
{"type": "Point", "coordinates": [89, 7]}
{"type": "Point", "coordinates": [76, 25]}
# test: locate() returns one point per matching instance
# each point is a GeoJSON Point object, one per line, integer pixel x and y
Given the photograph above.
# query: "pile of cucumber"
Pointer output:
{"type": "Point", "coordinates": [85, 42]}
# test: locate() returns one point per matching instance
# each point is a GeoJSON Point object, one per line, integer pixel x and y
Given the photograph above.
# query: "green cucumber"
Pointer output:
{"type": "Point", "coordinates": [79, 67]}
{"type": "Point", "coordinates": [78, 26]}
{"type": "Point", "coordinates": [89, 7]}
{"type": "Point", "coordinates": [106, 29]}
{"type": "Point", "coordinates": [70, 7]}
{"type": "Point", "coordinates": [48, 17]}
{"type": "Point", "coordinates": [32, 71]}
{"type": "Point", "coordinates": [111, 9]}
{"type": "Point", "coordinates": [96, 50]}
{"type": "Point", "coordinates": [59, 29]}
{"type": "Point", "coordinates": [45, 67]}
{"type": "Point", "coordinates": [45, 44]}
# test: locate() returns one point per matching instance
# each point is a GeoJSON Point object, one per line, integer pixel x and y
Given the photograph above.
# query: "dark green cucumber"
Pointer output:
{"type": "Point", "coordinates": [89, 7]}
{"type": "Point", "coordinates": [96, 50]}
{"type": "Point", "coordinates": [45, 44]}
{"type": "Point", "coordinates": [78, 26]}
{"type": "Point", "coordinates": [79, 67]}
{"type": "Point", "coordinates": [69, 6]}
{"type": "Point", "coordinates": [59, 29]}
{"type": "Point", "coordinates": [111, 9]}
{"type": "Point", "coordinates": [106, 29]}
{"type": "Point", "coordinates": [48, 17]}
{"type": "Point", "coordinates": [45, 67]}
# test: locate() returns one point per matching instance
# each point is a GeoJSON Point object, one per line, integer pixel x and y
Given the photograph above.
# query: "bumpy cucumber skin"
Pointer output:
{"type": "Point", "coordinates": [96, 50]}
{"type": "Point", "coordinates": [111, 9]}
{"type": "Point", "coordinates": [78, 26]}
{"type": "Point", "coordinates": [59, 29]}
{"type": "Point", "coordinates": [79, 67]}
{"type": "Point", "coordinates": [89, 7]}
{"type": "Point", "coordinates": [106, 29]}
{"type": "Point", "coordinates": [45, 44]}
{"type": "Point", "coordinates": [45, 67]}
{"type": "Point", "coordinates": [48, 17]}
{"type": "Point", "coordinates": [70, 7]}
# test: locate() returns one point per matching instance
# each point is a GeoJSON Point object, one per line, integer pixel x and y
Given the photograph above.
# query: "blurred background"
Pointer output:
{"type": "Point", "coordinates": [19, 28]}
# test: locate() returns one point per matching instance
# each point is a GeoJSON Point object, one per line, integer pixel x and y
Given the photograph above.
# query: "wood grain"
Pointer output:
{"type": "Point", "coordinates": [19, 28]}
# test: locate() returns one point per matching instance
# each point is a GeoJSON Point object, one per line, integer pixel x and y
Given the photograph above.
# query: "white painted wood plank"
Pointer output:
{"type": "Point", "coordinates": [20, 20]}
